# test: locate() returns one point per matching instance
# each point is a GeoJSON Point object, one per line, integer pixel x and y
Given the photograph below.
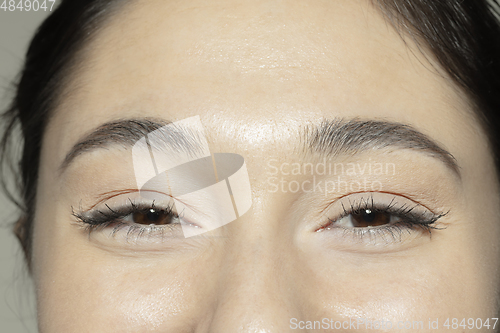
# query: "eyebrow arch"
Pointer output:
{"type": "Point", "coordinates": [128, 132]}
{"type": "Point", "coordinates": [120, 132]}
{"type": "Point", "coordinates": [339, 136]}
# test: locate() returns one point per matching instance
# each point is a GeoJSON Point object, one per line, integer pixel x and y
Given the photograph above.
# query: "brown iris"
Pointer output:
{"type": "Point", "coordinates": [152, 216]}
{"type": "Point", "coordinates": [369, 218]}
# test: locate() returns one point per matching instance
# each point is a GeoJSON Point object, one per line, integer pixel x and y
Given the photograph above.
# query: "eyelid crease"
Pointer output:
{"type": "Point", "coordinates": [103, 197]}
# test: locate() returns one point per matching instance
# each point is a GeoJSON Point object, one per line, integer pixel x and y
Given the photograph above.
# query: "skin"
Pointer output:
{"type": "Point", "coordinates": [256, 72]}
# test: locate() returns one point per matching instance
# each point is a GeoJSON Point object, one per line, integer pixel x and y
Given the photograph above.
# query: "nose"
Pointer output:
{"type": "Point", "coordinates": [255, 293]}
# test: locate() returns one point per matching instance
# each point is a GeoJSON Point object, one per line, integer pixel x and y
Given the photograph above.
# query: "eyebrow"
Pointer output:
{"type": "Point", "coordinates": [331, 137]}
{"type": "Point", "coordinates": [340, 137]}
{"type": "Point", "coordinates": [126, 133]}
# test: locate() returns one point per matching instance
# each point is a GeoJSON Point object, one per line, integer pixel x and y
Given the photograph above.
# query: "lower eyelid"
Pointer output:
{"type": "Point", "coordinates": [372, 241]}
{"type": "Point", "coordinates": [134, 234]}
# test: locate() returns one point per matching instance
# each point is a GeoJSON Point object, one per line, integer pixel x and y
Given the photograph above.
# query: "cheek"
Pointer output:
{"type": "Point", "coordinates": [142, 299]}
{"type": "Point", "coordinates": [94, 295]}
{"type": "Point", "coordinates": [395, 288]}
{"type": "Point", "coordinates": [84, 289]}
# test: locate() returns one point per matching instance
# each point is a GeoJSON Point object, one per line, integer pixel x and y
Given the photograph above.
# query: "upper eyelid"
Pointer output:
{"type": "Point", "coordinates": [365, 197]}
{"type": "Point", "coordinates": [113, 194]}
{"type": "Point", "coordinates": [391, 205]}
{"type": "Point", "coordinates": [405, 197]}
{"type": "Point", "coordinates": [89, 217]}
{"type": "Point", "coordinates": [128, 191]}
{"type": "Point", "coordinates": [131, 206]}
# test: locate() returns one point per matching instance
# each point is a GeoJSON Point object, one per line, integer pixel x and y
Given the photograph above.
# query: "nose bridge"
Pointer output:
{"type": "Point", "coordinates": [253, 294]}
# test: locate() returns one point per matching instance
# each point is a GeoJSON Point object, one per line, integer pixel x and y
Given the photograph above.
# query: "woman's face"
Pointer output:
{"type": "Point", "coordinates": [308, 93]}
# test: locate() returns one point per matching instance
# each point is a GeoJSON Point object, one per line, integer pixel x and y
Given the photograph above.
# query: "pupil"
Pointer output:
{"type": "Point", "coordinates": [368, 216]}
{"type": "Point", "coordinates": [153, 215]}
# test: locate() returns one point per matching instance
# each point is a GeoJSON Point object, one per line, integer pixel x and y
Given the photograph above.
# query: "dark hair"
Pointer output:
{"type": "Point", "coordinates": [462, 35]}
{"type": "Point", "coordinates": [51, 56]}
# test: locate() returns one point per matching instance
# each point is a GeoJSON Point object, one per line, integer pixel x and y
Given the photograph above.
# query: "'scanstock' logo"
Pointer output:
{"type": "Point", "coordinates": [208, 190]}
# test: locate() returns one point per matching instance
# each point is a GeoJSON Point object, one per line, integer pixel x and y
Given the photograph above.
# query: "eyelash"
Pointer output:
{"type": "Point", "coordinates": [411, 220]}
{"type": "Point", "coordinates": [98, 219]}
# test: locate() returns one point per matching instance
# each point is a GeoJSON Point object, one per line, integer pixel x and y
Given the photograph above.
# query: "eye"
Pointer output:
{"type": "Point", "coordinates": [372, 217]}
{"type": "Point", "coordinates": [151, 216]}
{"type": "Point", "coordinates": [377, 223]}
{"type": "Point", "coordinates": [125, 212]}
{"type": "Point", "coordinates": [131, 214]}
{"type": "Point", "coordinates": [367, 218]}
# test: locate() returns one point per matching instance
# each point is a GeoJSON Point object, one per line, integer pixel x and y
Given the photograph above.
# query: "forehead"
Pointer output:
{"type": "Point", "coordinates": [259, 45]}
{"type": "Point", "coordinates": [251, 59]}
